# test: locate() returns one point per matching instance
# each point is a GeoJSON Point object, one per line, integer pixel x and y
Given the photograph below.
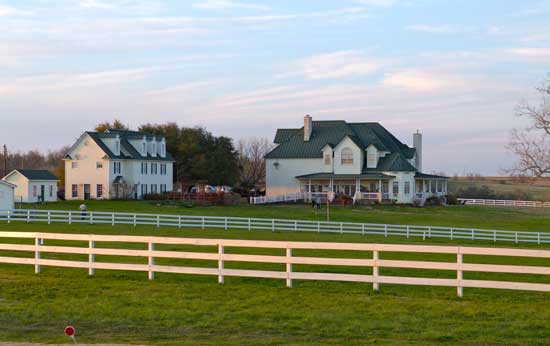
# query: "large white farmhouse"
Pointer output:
{"type": "Point", "coordinates": [33, 185]}
{"type": "Point", "coordinates": [361, 160]}
{"type": "Point", "coordinates": [117, 164]}
{"type": "Point", "coordinates": [7, 199]}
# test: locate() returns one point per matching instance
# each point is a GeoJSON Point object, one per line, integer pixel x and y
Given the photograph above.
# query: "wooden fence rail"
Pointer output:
{"type": "Point", "coordinates": [504, 203]}
{"type": "Point", "coordinates": [204, 222]}
{"type": "Point", "coordinates": [289, 259]}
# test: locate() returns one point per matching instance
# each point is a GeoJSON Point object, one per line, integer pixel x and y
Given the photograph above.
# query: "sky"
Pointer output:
{"type": "Point", "coordinates": [455, 70]}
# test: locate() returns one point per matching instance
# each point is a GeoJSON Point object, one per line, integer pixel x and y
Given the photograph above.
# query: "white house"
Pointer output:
{"type": "Point", "coordinates": [33, 185]}
{"type": "Point", "coordinates": [117, 164]}
{"type": "Point", "coordinates": [7, 199]}
{"type": "Point", "coordinates": [361, 160]}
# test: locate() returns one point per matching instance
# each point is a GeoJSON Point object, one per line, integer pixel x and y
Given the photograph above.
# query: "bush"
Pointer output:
{"type": "Point", "coordinates": [452, 199]}
{"type": "Point", "coordinates": [433, 201]}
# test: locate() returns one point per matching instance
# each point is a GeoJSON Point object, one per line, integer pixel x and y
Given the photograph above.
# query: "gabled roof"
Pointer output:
{"type": "Point", "coordinates": [394, 162]}
{"type": "Point", "coordinates": [3, 182]}
{"type": "Point", "coordinates": [34, 174]}
{"type": "Point", "coordinates": [127, 152]}
{"type": "Point", "coordinates": [429, 176]}
{"type": "Point", "coordinates": [292, 144]}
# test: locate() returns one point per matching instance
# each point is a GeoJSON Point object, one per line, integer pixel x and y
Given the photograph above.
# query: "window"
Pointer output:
{"type": "Point", "coordinates": [143, 189]}
{"type": "Point", "coordinates": [327, 159]}
{"type": "Point", "coordinates": [99, 191]}
{"type": "Point", "coordinates": [117, 147]}
{"type": "Point", "coordinates": [153, 188]}
{"type": "Point", "coordinates": [347, 156]}
{"type": "Point", "coordinates": [163, 169]}
{"type": "Point", "coordinates": [433, 184]}
{"type": "Point", "coordinates": [395, 188]}
{"type": "Point", "coordinates": [99, 165]}
{"type": "Point", "coordinates": [74, 189]}
{"type": "Point", "coordinates": [144, 168]}
{"type": "Point", "coordinates": [163, 149]}
{"type": "Point", "coordinates": [74, 164]}
{"type": "Point", "coordinates": [116, 168]}
{"type": "Point", "coordinates": [143, 148]}
{"type": "Point", "coordinates": [371, 157]}
{"type": "Point", "coordinates": [34, 191]}
{"type": "Point", "coordinates": [162, 188]}
{"type": "Point", "coordinates": [407, 188]}
{"type": "Point", "coordinates": [50, 190]}
{"type": "Point", "coordinates": [439, 186]}
{"type": "Point", "coordinates": [154, 168]}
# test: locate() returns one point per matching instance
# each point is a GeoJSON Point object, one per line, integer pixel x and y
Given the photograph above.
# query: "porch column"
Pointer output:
{"type": "Point", "coordinates": [379, 190]}
{"type": "Point", "coordinates": [358, 187]}
{"type": "Point", "coordinates": [430, 186]}
{"type": "Point", "coordinates": [309, 190]}
{"type": "Point", "coordinates": [331, 185]}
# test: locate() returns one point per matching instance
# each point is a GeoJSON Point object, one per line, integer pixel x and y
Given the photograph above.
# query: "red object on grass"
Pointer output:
{"type": "Point", "coordinates": [69, 330]}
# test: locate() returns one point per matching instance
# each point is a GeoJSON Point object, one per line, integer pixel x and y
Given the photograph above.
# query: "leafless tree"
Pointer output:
{"type": "Point", "coordinates": [532, 144]}
{"type": "Point", "coordinates": [251, 161]}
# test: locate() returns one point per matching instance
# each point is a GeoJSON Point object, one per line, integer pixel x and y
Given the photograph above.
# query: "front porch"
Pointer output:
{"type": "Point", "coordinates": [374, 187]}
{"type": "Point", "coordinates": [428, 185]}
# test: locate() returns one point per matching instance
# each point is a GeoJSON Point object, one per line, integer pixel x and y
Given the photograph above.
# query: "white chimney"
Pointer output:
{"type": "Point", "coordinates": [417, 144]}
{"type": "Point", "coordinates": [308, 127]}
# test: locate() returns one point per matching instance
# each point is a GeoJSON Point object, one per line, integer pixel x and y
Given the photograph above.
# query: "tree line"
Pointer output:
{"type": "Point", "coordinates": [199, 155]}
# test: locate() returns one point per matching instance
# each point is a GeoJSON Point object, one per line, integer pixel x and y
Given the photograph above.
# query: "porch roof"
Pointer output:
{"type": "Point", "coordinates": [419, 175]}
{"type": "Point", "coordinates": [378, 176]}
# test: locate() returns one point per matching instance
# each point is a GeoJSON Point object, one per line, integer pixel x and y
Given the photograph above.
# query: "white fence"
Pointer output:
{"type": "Point", "coordinates": [504, 203]}
{"type": "Point", "coordinates": [287, 197]}
{"type": "Point", "coordinates": [220, 257]}
{"type": "Point", "coordinates": [226, 222]}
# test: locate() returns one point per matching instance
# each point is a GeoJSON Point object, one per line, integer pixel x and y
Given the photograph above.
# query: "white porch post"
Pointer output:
{"type": "Point", "coordinates": [379, 190]}
{"type": "Point", "coordinates": [358, 187]}
{"type": "Point", "coordinates": [309, 190]}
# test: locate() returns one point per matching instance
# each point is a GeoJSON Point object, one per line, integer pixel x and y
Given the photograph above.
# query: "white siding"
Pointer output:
{"type": "Point", "coordinates": [401, 178]}
{"type": "Point", "coordinates": [281, 179]}
{"type": "Point", "coordinates": [6, 197]}
{"type": "Point", "coordinates": [357, 165]}
{"type": "Point", "coordinates": [25, 190]}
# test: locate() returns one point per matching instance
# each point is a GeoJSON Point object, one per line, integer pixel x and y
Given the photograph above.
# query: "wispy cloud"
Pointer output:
{"type": "Point", "coordinates": [220, 5]}
{"type": "Point", "coordinates": [341, 64]}
{"type": "Point", "coordinates": [423, 81]}
{"type": "Point", "coordinates": [380, 3]}
{"type": "Point", "coordinates": [533, 54]}
{"type": "Point", "coordinates": [436, 29]}
{"type": "Point", "coordinates": [96, 4]}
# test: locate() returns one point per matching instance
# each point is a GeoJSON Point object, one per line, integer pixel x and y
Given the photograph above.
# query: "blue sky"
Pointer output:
{"type": "Point", "coordinates": [453, 69]}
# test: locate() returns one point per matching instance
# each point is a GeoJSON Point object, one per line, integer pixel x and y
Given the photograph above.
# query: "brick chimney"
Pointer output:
{"type": "Point", "coordinates": [308, 127]}
{"type": "Point", "coordinates": [417, 144]}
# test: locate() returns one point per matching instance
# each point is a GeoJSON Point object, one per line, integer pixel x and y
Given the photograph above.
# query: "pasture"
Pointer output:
{"type": "Point", "coordinates": [176, 309]}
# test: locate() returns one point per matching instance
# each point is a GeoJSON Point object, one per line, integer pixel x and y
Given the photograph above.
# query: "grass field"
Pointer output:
{"type": "Point", "coordinates": [537, 190]}
{"type": "Point", "coordinates": [124, 307]}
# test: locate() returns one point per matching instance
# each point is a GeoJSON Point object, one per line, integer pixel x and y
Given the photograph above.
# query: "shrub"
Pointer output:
{"type": "Point", "coordinates": [452, 199]}
{"type": "Point", "coordinates": [432, 201]}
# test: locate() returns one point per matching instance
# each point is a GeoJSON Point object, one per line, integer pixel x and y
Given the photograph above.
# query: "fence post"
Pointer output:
{"type": "Point", "coordinates": [113, 219]}
{"type": "Point", "coordinates": [225, 220]}
{"type": "Point", "coordinates": [386, 231]}
{"type": "Point", "coordinates": [288, 267]}
{"type": "Point", "coordinates": [495, 236]}
{"type": "Point", "coordinates": [49, 217]}
{"type": "Point", "coordinates": [295, 225]}
{"type": "Point", "coordinates": [91, 218]}
{"type": "Point", "coordinates": [37, 255]}
{"type": "Point", "coordinates": [538, 238]}
{"type": "Point", "coordinates": [375, 283]}
{"type": "Point", "coordinates": [29, 217]}
{"type": "Point", "coordinates": [91, 257]}
{"type": "Point", "coordinates": [158, 221]}
{"type": "Point", "coordinates": [459, 288]}
{"type": "Point", "coordinates": [135, 220]}
{"type": "Point", "coordinates": [516, 237]}
{"type": "Point", "coordinates": [249, 224]}
{"type": "Point", "coordinates": [70, 217]}
{"type": "Point", "coordinates": [179, 221]}
{"type": "Point", "coordinates": [429, 231]}
{"type": "Point", "coordinates": [362, 229]}
{"type": "Point", "coordinates": [273, 225]}
{"type": "Point", "coordinates": [473, 236]}
{"type": "Point", "coordinates": [341, 228]}
{"type": "Point", "coordinates": [220, 263]}
{"type": "Point", "coordinates": [407, 231]}
{"type": "Point", "coordinates": [151, 261]}
{"type": "Point", "coordinates": [319, 226]}
{"type": "Point", "coordinates": [202, 225]}
{"type": "Point", "coordinates": [9, 215]}
{"type": "Point", "coordinates": [451, 233]}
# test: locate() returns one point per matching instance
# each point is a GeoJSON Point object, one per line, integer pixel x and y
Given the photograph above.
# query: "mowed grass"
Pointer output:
{"type": "Point", "coordinates": [125, 307]}
{"type": "Point", "coordinates": [521, 219]}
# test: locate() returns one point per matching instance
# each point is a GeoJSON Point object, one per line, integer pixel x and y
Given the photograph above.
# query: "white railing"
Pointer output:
{"type": "Point", "coordinates": [227, 222]}
{"type": "Point", "coordinates": [44, 243]}
{"type": "Point", "coordinates": [504, 203]}
{"type": "Point", "coordinates": [371, 195]}
{"type": "Point", "coordinates": [287, 197]}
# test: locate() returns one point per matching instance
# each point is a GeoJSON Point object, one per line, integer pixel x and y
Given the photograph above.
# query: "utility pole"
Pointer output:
{"type": "Point", "coordinates": [5, 162]}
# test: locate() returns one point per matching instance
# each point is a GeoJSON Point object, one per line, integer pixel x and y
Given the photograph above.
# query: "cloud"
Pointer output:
{"type": "Point", "coordinates": [423, 81]}
{"type": "Point", "coordinates": [436, 29]}
{"type": "Point", "coordinates": [530, 53]}
{"type": "Point", "coordinates": [378, 3]}
{"type": "Point", "coordinates": [221, 5]}
{"type": "Point", "coordinates": [96, 4]}
{"type": "Point", "coordinates": [10, 11]}
{"type": "Point", "coordinates": [341, 64]}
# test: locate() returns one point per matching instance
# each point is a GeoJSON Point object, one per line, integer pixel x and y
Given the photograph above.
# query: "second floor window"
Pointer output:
{"type": "Point", "coordinates": [347, 156]}
{"type": "Point", "coordinates": [116, 168]}
{"type": "Point", "coordinates": [99, 165]}
{"type": "Point", "coordinates": [327, 159]}
{"type": "Point", "coordinates": [163, 169]}
{"type": "Point", "coordinates": [154, 168]}
{"type": "Point", "coordinates": [74, 164]}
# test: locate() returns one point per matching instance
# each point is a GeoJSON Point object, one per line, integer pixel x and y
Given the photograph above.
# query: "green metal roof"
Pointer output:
{"type": "Point", "coordinates": [346, 176]}
{"type": "Point", "coordinates": [131, 152]}
{"type": "Point", "coordinates": [429, 176]}
{"type": "Point", "coordinates": [291, 143]}
{"type": "Point", "coordinates": [35, 174]}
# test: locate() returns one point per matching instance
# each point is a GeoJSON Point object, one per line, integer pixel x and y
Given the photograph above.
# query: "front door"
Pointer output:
{"type": "Point", "coordinates": [86, 191]}
{"type": "Point", "coordinates": [42, 193]}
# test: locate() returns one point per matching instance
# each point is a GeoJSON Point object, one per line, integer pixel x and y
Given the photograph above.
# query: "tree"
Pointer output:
{"type": "Point", "coordinates": [117, 124]}
{"type": "Point", "coordinates": [252, 151]}
{"type": "Point", "coordinates": [532, 144]}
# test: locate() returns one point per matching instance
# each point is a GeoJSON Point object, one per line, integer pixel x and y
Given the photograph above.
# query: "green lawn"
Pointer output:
{"type": "Point", "coordinates": [124, 307]}
{"type": "Point", "coordinates": [528, 219]}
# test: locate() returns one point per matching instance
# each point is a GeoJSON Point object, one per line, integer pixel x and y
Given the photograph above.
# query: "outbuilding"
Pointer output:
{"type": "Point", "coordinates": [7, 200]}
{"type": "Point", "coordinates": [33, 185]}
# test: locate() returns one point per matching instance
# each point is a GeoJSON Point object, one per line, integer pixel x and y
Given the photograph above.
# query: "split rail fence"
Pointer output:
{"type": "Point", "coordinates": [274, 225]}
{"type": "Point", "coordinates": [221, 257]}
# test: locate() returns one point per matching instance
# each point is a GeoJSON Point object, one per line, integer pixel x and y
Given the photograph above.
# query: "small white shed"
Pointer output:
{"type": "Point", "coordinates": [7, 200]}
{"type": "Point", "coordinates": [33, 185]}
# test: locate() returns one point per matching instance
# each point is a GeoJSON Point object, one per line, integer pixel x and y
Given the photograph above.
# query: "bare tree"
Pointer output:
{"type": "Point", "coordinates": [251, 161]}
{"type": "Point", "coordinates": [532, 144]}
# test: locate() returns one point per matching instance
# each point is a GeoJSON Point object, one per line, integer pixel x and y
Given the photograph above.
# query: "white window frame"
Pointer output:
{"type": "Point", "coordinates": [99, 190]}
{"type": "Point", "coordinates": [407, 188]}
{"type": "Point", "coordinates": [346, 156]}
{"type": "Point", "coordinates": [74, 190]}
{"type": "Point", "coordinates": [395, 186]}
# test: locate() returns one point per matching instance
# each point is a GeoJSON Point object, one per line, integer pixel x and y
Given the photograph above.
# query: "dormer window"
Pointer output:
{"type": "Point", "coordinates": [143, 148]}
{"type": "Point", "coordinates": [117, 147]}
{"type": "Point", "coordinates": [328, 158]}
{"type": "Point", "coordinates": [163, 149]}
{"type": "Point", "coordinates": [347, 156]}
